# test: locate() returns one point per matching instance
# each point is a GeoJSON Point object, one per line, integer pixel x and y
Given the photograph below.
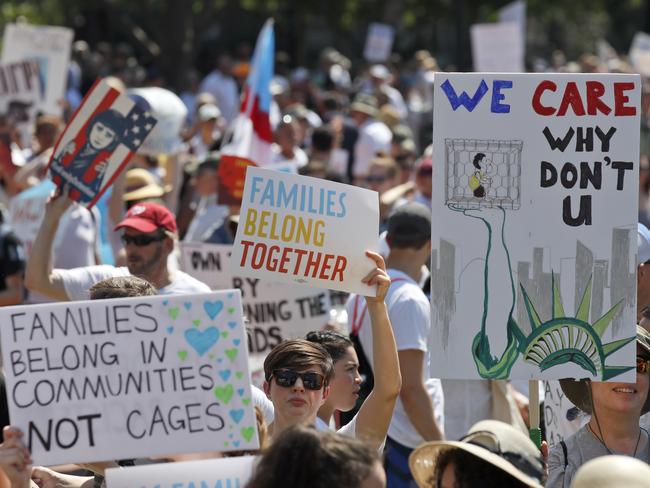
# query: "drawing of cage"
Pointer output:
{"type": "Point", "coordinates": [483, 173]}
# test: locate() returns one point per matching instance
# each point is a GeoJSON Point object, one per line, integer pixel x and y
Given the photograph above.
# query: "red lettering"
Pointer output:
{"type": "Point", "coordinates": [595, 90]}
{"type": "Point", "coordinates": [339, 267]}
{"type": "Point", "coordinates": [300, 253]}
{"type": "Point", "coordinates": [246, 245]}
{"type": "Point", "coordinates": [258, 255]}
{"type": "Point", "coordinates": [313, 263]}
{"type": "Point", "coordinates": [537, 104]}
{"type": "Point", "coordinates": [284, 259]}
{"type": "Point", "coordinates": [271, 261]}
{"type": "Point", "coordinates": [571, 97]}
{"type": "Point", "coordinates": [326, 267]}
{"type": "Point", "coordinates": [620, 99]}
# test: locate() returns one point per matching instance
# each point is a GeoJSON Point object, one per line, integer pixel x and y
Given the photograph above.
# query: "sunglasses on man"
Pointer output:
{"type": "Point", "coordinates": [142, 239]}
{"type": "Point", "coordinates": [287, 378]}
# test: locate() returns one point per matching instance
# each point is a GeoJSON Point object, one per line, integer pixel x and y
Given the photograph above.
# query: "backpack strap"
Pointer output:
{"type": "Point", "coordinates": [564, 450]}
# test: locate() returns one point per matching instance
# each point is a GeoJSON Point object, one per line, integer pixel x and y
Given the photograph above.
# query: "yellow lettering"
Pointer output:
{"type": "Point", "coordinates": [251, 217]}
{"type": "Point", "coordinates": [319, 233]}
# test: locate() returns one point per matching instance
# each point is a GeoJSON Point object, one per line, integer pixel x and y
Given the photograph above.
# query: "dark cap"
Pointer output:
{"type": "Point", "coordinates": [409, 225]}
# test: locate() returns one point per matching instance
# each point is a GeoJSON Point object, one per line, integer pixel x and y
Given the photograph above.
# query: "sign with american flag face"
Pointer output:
{"type": "Point", "coordinates": [102, 135]}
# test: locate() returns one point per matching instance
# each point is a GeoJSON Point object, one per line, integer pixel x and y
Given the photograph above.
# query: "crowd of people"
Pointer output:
{"type": "Point", "coordinates": [352, 407]}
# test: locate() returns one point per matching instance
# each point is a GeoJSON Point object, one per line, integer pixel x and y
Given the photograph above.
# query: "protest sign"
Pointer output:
{"type": "Point", "coordinates": [20, 94]}
{"type": "Point", "coordinates": [534, 226]}
{"type": "Point", "coordinates": [297, 229]}
{"type": "Point", "coordinates": [50, 47]}
{"type": "Point", "coordinates": [233, 472]}
{"type": "Point", "coordinates": [276, 311]}
{"type": "Point", "coordinates": [125, 378]}
{"type": "Point", "coordinates": [640, 53]}
{"type": "Point", "coordinates": [379, 42]}
{"type": "Point", "coordinates": [26, 212]}
{"type": "Point", "coordinates": [562, 418]}
{"type": "Point", "coordinates": [98, 142]}
{"type": "Point", "coordinates": [515, 12]}
{"type": "Point", "coordinates": [497, 47]}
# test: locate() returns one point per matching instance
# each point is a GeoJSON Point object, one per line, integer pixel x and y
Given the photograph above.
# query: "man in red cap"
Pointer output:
{"type": "Point", "coordinates": [149, 231]}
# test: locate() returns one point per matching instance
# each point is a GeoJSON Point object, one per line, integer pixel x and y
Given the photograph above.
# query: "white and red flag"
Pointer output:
{"type": "Point", "coordinates": [103, 134]}
{"type": "Point", "coordinates": [251, 130]}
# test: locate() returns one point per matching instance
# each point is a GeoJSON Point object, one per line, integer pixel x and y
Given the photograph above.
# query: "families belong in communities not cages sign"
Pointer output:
{"type": "Point", "coordinates": [534, 225]}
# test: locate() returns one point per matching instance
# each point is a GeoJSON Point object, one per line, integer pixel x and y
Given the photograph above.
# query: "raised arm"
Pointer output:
{"type": "Point", "coordinates": [376, 412]}
{"type": "Point", "coordinates": [39, 275]}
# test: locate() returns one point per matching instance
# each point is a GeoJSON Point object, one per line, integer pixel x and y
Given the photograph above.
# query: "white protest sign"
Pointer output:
{"type": "Point", "coordinates": [534, 222]}
{"type": "Point", "coordinates": [50, 46]}
{"type": "Point", "coordinates": [497, 47]}
{"type": "Point", "coordinates": [26, 212]}
{"type": "Point", "coordinates": [640, 53]}
{"type": "Point", "coordinates": [232, 472]}
{"type": "Point", "coordinates": [562, 418]}
{"type": "Point", "coordinates": [297, 229]}
{"type": "Point", "coordinates": [515, 12]}
{"type": "Point", "coordinates": [20, 94]}
{"type": "Point", "coordinates": [276, 311]}
{"type": "Point", "coordinates": [379, 42]}
{"type": "Point", "coordinates": [126, 378]}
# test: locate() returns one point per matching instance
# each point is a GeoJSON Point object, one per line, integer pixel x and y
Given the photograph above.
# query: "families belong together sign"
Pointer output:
{"type": "Point", "coordinates": [534, 225]}
{"type": "Point", "coordinates": [127, 378]}
{"type": "Point", "coordinates": [297, 229]}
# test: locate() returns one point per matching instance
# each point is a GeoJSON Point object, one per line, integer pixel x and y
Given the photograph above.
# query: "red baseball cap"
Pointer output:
{"type": "Point", "coordinates": [147, 217]}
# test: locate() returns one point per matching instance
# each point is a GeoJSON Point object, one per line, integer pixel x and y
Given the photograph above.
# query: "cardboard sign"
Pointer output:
{"type": "Point", "coordinates": [640, 53]}
{"type": "Point", "coordinates": [231, 472]}
{"type": "Point", "coordinates": [50, 47]}
{"type": "Point", "coordinates": [297, 229]}
{"type": "Point", "coordinates": [379, 42]}
{"type": "Point", "coordinates": [562, 418]}
{"type": "Point", "coordinates": [276, 311]}
{"type": "Point", "coordinates": [534, 226]}
{"type": "Point", "coordinates": [20, 94]}
{"type": "Point", "coordinates": [497, 47]}
{"type": "Point", "coordinates": [98, 142]}
{"type": "Point", "coordinates": [126, 378]}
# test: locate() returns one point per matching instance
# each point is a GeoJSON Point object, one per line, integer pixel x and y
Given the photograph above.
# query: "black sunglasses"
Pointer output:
{"type": "Point", "coordinates": [142, 239]}
{"type": "Point", "coordinates": [310, 380]}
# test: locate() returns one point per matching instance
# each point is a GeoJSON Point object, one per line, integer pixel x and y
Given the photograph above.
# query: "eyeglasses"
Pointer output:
{"type": "Point", "coordinates": [310, 380]}
{"type": "Point", "coordinates": [142, 239]}
{"type": "Point", "coordinates": [642, 365]}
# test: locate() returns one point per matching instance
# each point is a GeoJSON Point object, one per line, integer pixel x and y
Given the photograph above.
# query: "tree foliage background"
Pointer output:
{"type": "Point", "coordinates": [177, 34]}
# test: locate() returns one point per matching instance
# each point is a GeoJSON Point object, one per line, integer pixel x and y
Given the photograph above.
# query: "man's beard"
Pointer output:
{"type": "Point", "coordinates": [143, 267]}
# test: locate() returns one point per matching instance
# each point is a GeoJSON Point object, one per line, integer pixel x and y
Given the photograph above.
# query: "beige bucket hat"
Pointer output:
{"type": "Point", "coordinates": [613, 472]}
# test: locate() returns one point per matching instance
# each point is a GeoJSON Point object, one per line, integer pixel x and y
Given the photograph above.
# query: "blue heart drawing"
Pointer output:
{"type": "Point", "coordinates": [240, 392]}
{"type": "Point", "coordinates": [230, 295]}
{"type": "Point", "coordinates": [213, 308]}
{"type": "Point", "coordinates": [235, 443]}
{"type": "Point", "coordinates": [232, 325]}
{"type": "Point", "coordinates": [187, 305]}
{"type": "Point", "coordinates": [225, 374]}
{"type": "Point", "coordinates": [219, 360]}
{"type": "Point", "coordinates": [165, 302]}
{"type": "Point", "coordinates": [230, 436]}
{"type": "Point", "coordinates": [202, 341]}
{"type": "Point", "coordinates": [237, 415]}
{"type": "Point", "coordinates": [170, 329]}
{"type": "Point", "coordinates": [236, 342]}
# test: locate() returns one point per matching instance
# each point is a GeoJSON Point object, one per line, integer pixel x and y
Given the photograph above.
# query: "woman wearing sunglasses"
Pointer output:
{"type": "Point", "coordinates": [372, 421]}
{"type": "Point", "coordinates": [615, 410]}
{"type": "Point", "coordinates": [300, 375]}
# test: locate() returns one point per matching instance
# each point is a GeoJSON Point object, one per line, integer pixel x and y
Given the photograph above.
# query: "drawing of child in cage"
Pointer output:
{"type": "Point", "coordinates": [481, 180]}
{"type": "Point", "coordinates": [85, 158]}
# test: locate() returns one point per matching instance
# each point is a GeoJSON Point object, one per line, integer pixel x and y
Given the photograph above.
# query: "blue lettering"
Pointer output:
{"type": "Point", "coordinates": [287, 199]}
{"type": "Point", "coordinates": [343, 210]}
{"type": "Point", "coordinates": [464, 99]}
{"type": "Point", "coordinates": [311, 200]}
{"type": "Point", "coordinates": [254, 188]}
{"type": "Point", "coordinates": [497, 96]}
{"type": "Point", "coordinates": [330, 203]}
{"type": "Point", "coordinates": [268, 194]}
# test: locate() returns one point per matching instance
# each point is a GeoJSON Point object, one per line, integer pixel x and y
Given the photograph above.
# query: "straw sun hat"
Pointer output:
{"type": "Point", "coordinates": [578, 392]}
{"type": "Point", "coordinates": [612, 472]}
{"type": "Point", "coordinates": [495, 442]}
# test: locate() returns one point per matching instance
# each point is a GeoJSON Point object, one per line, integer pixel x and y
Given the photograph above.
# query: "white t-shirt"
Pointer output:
{"type": "Point", "coordinates": [374, 136]}
{"type": "Point", "coordinates": [409, 312]}
{"type": "Point", "coordinates": [77, 281]}
{"type": "Point", "coordinates": [299, 159]}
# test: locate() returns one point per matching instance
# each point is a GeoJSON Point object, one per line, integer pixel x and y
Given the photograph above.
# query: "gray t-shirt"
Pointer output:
{"type": "Point", "coordinates": [582, 447]}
